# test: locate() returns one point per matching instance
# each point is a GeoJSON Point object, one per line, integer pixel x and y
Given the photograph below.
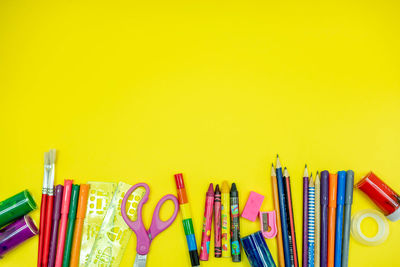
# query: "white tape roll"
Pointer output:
{"type": "Point", "coordinates": [383, 227]}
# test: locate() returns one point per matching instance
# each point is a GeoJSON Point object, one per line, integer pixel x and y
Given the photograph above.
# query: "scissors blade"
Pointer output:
{"type": "Point", "coordinates": [140, 260]}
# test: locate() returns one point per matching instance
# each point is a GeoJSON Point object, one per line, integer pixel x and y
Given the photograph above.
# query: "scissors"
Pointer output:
{"type": "Point", "coordinates": [144, 237]}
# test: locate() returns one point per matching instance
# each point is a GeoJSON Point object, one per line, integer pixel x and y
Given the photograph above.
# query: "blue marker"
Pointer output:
{"type": "Point", "coordinates": [282, 208]}
{"type": "Point", "coordinates": [341, 189]}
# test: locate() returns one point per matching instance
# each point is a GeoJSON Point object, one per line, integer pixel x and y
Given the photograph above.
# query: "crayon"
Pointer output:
{"type": "Point", "coordinates": [341, 190]}
{"type": "Point", "coordinates": [207, 221]}
{"type": "Point", "coordinates": [324, 195]}
{"type": "Point", "coordinates": [80, 216]}
{"type": "Point", "coordinates": [305, 217]}
{"type": "Point", "coordinates": [217, 223]}
{"type": "Point", "coordinates": [54, 227]}
{"type": "Point", "coordinates": [187, 222]}
{"type": "Point", "coordinates": [71, 224]}
{"type": "Point", "coordinates": [63, 223]}
{"type": "Point", "coordinates": [281, 257]}
{"type": "Point", "coordinates": [235, 224]}
{"type": "Point", "coordinates": [282, 209]}
{"type": "Point", "coordinates": [225, 221]}
{"type": "Point", "coordinates": [332, 218]}
{"type": "Point", "coordinates": [348, 201]}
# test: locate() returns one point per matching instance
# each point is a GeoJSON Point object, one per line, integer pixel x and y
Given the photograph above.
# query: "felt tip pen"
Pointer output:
{"type": "Point", "coordinates": [80, 216]}
{"type": "Point", "coordinates": [332, 218]}
{"type": "Point", "coordinates": [217, 223]}
{"type": "Point", "coordinates": [324, 196]}
{"type": "Point", "coordinates": [207, 221]}
{"type": "Point", "coordinates": [54, 227]}
{"type": "Point", "coordinates": [71, 224]}
{"type": "Point", "coordinates": [348, 201]}
{"type": "Point", "coordinates": [63, 223]}
{"type": "Point", "coordinates": [184, 208]}
{"type": "Point", "coordinates": [235, 224]}
{"type": "Point", "coordinates": [225, 221]}
{"type": "Point", "coordinates": [341, 189]}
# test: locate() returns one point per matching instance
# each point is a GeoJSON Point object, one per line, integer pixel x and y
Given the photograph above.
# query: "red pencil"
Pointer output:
{"type": "Point", "coordinates": [286, 177]}
{"type": "Point", "coordinates": [43, 207]}
{"type": "Point", "coordinates": [49, 209]}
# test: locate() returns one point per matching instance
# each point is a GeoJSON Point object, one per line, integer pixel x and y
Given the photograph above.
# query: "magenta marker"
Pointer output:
{"type": "Point", "coordinates": [206, 236]}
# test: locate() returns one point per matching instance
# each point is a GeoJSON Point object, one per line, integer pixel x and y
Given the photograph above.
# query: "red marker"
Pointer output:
{"type": "Point", "coordinates": [206, 236]}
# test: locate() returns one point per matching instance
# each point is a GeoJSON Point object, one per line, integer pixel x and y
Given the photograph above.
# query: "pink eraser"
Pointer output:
{"type": "Point", "coordinates": [252, 206]}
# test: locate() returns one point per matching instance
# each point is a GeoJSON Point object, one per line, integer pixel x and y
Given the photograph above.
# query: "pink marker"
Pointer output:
{"type": "Point", "coordinates": [63, 222]}
{"type": "Point", "coordinates": [206, 236]}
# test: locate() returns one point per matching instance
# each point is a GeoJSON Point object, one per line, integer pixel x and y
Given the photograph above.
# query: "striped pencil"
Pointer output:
{"type": "Point", "coordinates": [317, 246]}
{"type": "Point", "coordinates": [305, 217]}
{"type": "Point", "coordinates": [311, 221]}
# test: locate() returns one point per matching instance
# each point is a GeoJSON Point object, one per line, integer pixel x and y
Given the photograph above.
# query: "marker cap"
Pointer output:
{"type": "Point", "coordinates": [83, 199]}
{"type": "Point", "coordinates": [324, 188]}
{"type": "Point", "coordinates": [341, 187]}
{"type": "Point", "coordinates": [332, 190]}
{"type": "Point", "coordinates": [349, 187]}
{"type": "Point", "coordinates": [179, 181]}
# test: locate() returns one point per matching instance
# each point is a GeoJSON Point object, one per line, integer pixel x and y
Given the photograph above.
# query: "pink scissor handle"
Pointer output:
{"type": "Point", "coordinates": [158, 225]}
{"type": "Point", "coordinates": [143, 240]}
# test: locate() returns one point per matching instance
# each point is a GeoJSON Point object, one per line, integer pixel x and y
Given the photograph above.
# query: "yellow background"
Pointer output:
{"type": "Point", "coordinates": [139, 90]}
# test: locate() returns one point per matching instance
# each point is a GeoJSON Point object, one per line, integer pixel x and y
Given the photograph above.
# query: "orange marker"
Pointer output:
{"type": "Point", "coordinates": [332, 218]}
{"type": "Point", "coordinates": [281, 257]}
{"type": "Point", "coordinates": [80, 216]}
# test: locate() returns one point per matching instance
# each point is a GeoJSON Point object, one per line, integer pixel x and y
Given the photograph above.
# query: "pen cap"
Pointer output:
{"type": "Point", "coordinates": [15, 233]}
{"type": "Point", "coordinates": [179, 181]}
{"type": "Point", "coordinates": [83, 199]}
{"type": "Point", "coordinates": [15, 207]}
{"type": "Point", "coordinates": [349, 187]}
{"type": "Point", "coordinates": [324, 195]}
{"type": "Point", "coordinates": [57, 202]}
{"type": "Point", "coordinates": [74, 201]}
{"type": "Point", "coordinates": [382, 195]}
{"type": "Point", "coordinates": [341, 187]}
{"type": "Point", "coordinates": [332, 189]}
{"type": "Point", "coordinates": [257, 250]}
{"type": "Point", "coordinates": [66, 196]}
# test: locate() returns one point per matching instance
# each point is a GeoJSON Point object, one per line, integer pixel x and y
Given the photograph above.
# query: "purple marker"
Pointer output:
{"type": "Point", "coordinates": [324, 195]}
{"type": "Point", "coordinates": [305, 217]}
{"type": "Point", "coordinates": [54, 228]}
{"type": "Point", "coordinates": [15, 233]}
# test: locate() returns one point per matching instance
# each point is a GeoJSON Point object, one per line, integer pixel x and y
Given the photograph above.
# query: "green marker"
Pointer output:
{"type": "Point", "coordinates": [71, 224]}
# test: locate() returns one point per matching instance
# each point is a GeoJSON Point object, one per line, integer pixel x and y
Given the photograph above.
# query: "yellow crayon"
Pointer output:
{"type": "Point", "coordinates": [225, 221]}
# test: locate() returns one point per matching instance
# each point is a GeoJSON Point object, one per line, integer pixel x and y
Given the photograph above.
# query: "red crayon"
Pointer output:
{"type": "Point", "coordinates": [206, 236]}
{"type": "Point", "coordinates": [217, 223]}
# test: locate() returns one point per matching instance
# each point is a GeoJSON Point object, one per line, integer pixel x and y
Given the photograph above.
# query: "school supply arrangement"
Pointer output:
{"type": "Point", "coordinates": [91, 224]}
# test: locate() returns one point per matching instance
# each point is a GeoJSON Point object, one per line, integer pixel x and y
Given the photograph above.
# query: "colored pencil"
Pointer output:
{"type": "Point", "coordinates": [348, 201]}
{"type": "Point", "coordinates": [311, 221]}
{"type": "Point", "coordinates": [341, 190]}
{"type": "Point", "coordinates": [49, 208]}
{"type": "Point", "coordinates": [80, 216]}
{"type": "Point", "coordinates": [225, 220]}
{"type": "Point", "coordinates": [282, 209]}
{"type": "Point", "coordinates": [317, 221]}
{"type": "Point", "coordinates": [324, 195]}
{"type": "Point", "coordinates": [305, 217]}
{"type": "Point", "coordinates": [206, 236]}
{"type": "Point", "coordinates": [290, 217]}
{"type": "Point", "coordinates": [43, 207]}
{"type": "Point", "coordinates": [217, 223]}
{"type": "Point", "coordinates": [281, 257]}
{"type": "Point", "coordinates": [332, 218]}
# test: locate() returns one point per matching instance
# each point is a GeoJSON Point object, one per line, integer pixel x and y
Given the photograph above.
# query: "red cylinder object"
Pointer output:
{"type": "Point", "coordinates": [382, 195]}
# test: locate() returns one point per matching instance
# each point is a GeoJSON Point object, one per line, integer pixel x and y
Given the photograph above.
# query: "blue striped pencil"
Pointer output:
{"type": "Point", "coordinates": [311, 222]}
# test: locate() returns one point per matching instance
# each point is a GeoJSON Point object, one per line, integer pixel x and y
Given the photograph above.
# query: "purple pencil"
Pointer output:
{"type": "Point", "coordinates": [324, 195]}
{"type": "Point", "coordinates": [54, 228]}
{"type": "Point", "coordinates": [305, 217]}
